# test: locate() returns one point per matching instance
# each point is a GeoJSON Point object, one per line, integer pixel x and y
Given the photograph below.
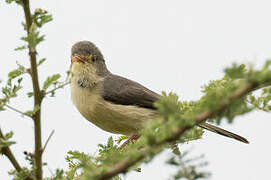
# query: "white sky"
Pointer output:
{"type": "Point", "coordinates": [173, 46]}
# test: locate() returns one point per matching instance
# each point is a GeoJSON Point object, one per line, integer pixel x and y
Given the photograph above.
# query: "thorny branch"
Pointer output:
{"type": "Point", "coordinates": [8, 153]}
{"type": "Point", "coordinates": [124, 165]}
{"type": "Point", "coordinates": [37, 94]}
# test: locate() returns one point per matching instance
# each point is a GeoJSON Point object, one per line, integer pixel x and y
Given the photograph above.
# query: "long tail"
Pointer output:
{"type": "Point", "coordinates": [223, 132]}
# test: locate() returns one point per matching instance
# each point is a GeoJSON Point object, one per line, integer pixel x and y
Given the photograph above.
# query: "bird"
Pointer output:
{"type": "Point", "coordinates": [113, 103]}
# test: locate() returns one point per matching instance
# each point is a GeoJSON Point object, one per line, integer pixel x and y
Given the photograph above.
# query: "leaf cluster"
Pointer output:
{"type": "Point", "coordinates": [33, 37]}
{"type": "Point", "coordinates": [11, 88]}
{"type": "Point", "coordinates": [5, 141]}
{"type": "Point", "coordinates": [188, 168]}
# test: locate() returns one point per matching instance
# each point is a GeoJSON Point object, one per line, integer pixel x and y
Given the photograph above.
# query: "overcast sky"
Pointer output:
{"type": "Point", "coordinates": [173, 46]}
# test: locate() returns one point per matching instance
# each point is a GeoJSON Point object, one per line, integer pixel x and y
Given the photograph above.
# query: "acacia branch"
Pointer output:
{"type": "Point", "coordinates": [62, 85]}
{"type": "Point", "coordinates": [7, 152]}
{"type": "Point", "coordinates": [202, 117]}
{"type": "Point", "coordinates": [121, 167]}
{"type": "Point", "coordinates": [125, 164]}
{"type": "Point", "coordinates": [37, 94]}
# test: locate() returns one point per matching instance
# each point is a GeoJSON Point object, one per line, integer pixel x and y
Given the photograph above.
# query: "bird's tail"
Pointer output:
{"type": "Point", "coordinates": [222, 132]}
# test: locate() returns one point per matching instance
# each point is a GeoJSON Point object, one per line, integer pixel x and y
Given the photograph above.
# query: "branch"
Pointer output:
{"type": "Point", "coordinates": [8, 153]}
{"type": "Point", "coordinates": [125, 164]}
{"type": "Point", "coordinates": [37, 94]}
{"type": "Point", "coordinates": [249, 87]}
{"type": "Point", "coordinates": [56, 88]}
{"type": "Point", "coordinates": [16, 110]}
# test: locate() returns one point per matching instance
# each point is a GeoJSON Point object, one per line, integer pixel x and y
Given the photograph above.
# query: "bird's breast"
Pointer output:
{"type": "Point", "coordinates": [114, 118]}
{"type": "Point", "coordinates": [83, 98]}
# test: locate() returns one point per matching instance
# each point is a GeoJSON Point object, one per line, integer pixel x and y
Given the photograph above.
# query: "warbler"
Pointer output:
{"type": "Point", "coordinates": [111, 102]}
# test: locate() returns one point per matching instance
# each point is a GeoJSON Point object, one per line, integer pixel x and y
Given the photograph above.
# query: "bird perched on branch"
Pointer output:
{"type": "Point", "coordinates": [113, 103]}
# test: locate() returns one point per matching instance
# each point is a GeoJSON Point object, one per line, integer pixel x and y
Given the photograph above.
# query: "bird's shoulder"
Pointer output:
{"type": "Point", "coordinates": [120, 90]}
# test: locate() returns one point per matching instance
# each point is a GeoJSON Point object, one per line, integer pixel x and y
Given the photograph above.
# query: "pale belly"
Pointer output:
{"type": "Point", "coordinates": [118, 119]}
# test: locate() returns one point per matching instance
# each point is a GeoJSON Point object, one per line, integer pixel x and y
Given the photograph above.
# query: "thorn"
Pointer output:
{"type": "Point", "coordinates": [51, 134]}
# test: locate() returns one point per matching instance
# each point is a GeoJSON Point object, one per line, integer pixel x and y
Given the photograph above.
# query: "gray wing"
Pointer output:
{"type": "Point", "coordinates": [119, 90]}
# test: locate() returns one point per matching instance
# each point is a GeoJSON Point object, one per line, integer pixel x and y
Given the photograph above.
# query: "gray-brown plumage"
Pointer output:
{"type": "Point", "coordinates": [114, 103]}
{"type": "Point", "coordinates": [123, 91]}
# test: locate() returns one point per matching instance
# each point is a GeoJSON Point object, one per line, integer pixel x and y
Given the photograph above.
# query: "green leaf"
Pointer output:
{"type": "Point", "coordinates": [41, 17]}
{"type": "Point", "coordinates": [32, 112]}
{"type": "Point", "coordinates": [175, 149]}
{"type": "Point", "coordinates": [110, 141]}
{"type": "Point", "coordinates": [2, 107]}
{"type": "Point", "coordinates": [30, 94]}
{"type": "Point", "coordinates": [41, 61]}
{"type": "Point", "coordinates": [50, 80]}
{"type": "Point", "coordinates": [19, 2]}
{"type": "Point", "coordinates": [267, 65]}
{"type": "Point", "coordinates": [33, 38]}
{"type": "Point", "coordinates": [9, 135]}
{"type": "Point", "coordinates": [121, 138]}
{"type": "Point", "coordinates": [4, 142]}
{"type": "Point", "coordinates": [20, 48]}
{"type": "Point", "coordinates": [236, 71]}
{"type": "Point", "coordinates": [17, 72]}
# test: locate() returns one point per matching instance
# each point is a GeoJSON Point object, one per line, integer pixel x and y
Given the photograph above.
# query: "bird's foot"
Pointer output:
{"type": "Point", "coordinates": [132, 138]}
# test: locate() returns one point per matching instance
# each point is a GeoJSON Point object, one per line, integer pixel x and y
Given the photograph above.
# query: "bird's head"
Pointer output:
{"type": "Point", "coordinates": [87, 59]}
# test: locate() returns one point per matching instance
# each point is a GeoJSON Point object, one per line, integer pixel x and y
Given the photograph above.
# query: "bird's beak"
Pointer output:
{"type": "Point", "coordinates": [78, 58]}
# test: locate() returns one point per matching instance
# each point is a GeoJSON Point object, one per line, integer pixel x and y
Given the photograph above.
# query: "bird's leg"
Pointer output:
{"type": "Point", "coordinates": [132, 138]}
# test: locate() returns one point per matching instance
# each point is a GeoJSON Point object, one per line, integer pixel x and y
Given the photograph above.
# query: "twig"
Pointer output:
{"type": "Point", "coordinates": [121, 167]}
{"type": "Point", "coordinates": [125, 164]}
{"type": "Point", "coordinates": [50, 136]}
{"type": "Point", "coordinates": [17, 110]}
{"type": "Point", "coordinates": [37, 95]}
{"type": "Point", "coordinates": [8, 153]}
{"type": "Point", "coordinates": [56, 88]}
